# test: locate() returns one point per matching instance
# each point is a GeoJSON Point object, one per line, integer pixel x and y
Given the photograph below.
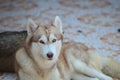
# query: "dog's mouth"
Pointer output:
{"type": "Point", "coordinates": [50, 58]}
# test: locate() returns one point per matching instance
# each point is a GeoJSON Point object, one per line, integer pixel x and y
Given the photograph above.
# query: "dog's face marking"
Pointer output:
{"type": "Point", "coordinates": [49, 46]}
{"type": "Point", "coordinates": [43, 39]}
{"type": "Point", "coordinates": [46, 42]}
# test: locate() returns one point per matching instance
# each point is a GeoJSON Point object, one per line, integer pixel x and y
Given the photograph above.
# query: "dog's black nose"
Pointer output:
{"type": "Point", "coordinates": [50, 55]}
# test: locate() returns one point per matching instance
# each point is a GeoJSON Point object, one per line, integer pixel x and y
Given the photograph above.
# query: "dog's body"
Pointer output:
{"type": "Point", "coordinates": [45, 56]}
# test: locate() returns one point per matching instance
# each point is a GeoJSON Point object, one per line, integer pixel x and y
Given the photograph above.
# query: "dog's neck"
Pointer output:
{"type": "Point", "coordinates": [44, 72]}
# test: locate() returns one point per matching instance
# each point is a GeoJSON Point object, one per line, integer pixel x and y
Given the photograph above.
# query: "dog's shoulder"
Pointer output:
{"type": "Point", "coordinates": [77, 50]}
{"type": "Point", "coordinates": [75, 46]}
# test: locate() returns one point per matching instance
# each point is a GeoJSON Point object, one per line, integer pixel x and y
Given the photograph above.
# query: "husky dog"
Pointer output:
{"type": "Point", "coordinates": [44, 56]}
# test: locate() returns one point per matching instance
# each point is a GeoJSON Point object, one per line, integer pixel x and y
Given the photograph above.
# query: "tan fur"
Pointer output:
{"type": "Point", "coordinates": [112, 68]}
{"type": "Point", "coordinates": [74, 61]}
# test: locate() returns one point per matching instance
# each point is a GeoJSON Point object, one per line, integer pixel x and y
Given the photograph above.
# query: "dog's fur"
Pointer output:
{"type": "Point", "coordinates": [45, 56]}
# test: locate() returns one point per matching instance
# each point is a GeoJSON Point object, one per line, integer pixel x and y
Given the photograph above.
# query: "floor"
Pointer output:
{"type": "Point", "coordinates": [95, 23]}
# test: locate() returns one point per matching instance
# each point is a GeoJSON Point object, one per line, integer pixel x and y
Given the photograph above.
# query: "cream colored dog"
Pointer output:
{"type": "Point", "coordinates": [45, 56]}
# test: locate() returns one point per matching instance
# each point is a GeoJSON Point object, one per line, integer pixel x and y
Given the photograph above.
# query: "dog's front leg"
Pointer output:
{"type": "Point", "coordinates": [81, 67]}
{"type": "Point", "coordinates": [26, 76]}
{"type": "Point", "coordinates": [76, 76]}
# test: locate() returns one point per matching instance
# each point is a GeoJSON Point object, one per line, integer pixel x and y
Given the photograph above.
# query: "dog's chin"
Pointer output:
{"type": "Point", "coordinates": [50, 59]}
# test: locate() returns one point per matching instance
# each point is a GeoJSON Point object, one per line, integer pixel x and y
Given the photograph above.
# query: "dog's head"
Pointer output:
{"type": "Point", "coordinates": [45, 42]}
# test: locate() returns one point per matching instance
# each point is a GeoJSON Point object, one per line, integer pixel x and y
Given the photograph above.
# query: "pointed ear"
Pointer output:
{"type": "Point", "coordinates": [31, 27]}
{"type": "Point", "coordinates": [57, 23]}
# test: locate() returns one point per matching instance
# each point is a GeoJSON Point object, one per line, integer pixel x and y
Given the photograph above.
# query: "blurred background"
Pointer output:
{"type": "Point", "coordinates": [96, 23]}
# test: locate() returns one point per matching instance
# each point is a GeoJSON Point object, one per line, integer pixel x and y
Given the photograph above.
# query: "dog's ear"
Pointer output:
{"type": "Point", "coordinates": [58, 23]}
{"type": "Point", "coordinates": [31, 26]}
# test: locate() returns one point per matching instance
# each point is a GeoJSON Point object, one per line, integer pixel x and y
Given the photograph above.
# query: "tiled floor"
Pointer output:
{"type": "Point", "coordinates": [92, 22]}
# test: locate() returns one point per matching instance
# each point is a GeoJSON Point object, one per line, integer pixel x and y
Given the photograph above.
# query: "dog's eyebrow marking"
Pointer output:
{"type": "Point", "coordinates": [43, 37]}
{"type": "Point", "coordinates": [52, 36]}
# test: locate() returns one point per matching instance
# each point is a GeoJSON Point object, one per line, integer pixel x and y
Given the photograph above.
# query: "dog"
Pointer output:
{"type": "Point", "coordinates": [44, 56]}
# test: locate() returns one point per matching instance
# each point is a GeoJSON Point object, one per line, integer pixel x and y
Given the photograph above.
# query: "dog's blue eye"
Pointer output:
{"type": "Point", "coordinates": [54, 40]}
{"type": "Point", "coordinates": [42, 42]}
